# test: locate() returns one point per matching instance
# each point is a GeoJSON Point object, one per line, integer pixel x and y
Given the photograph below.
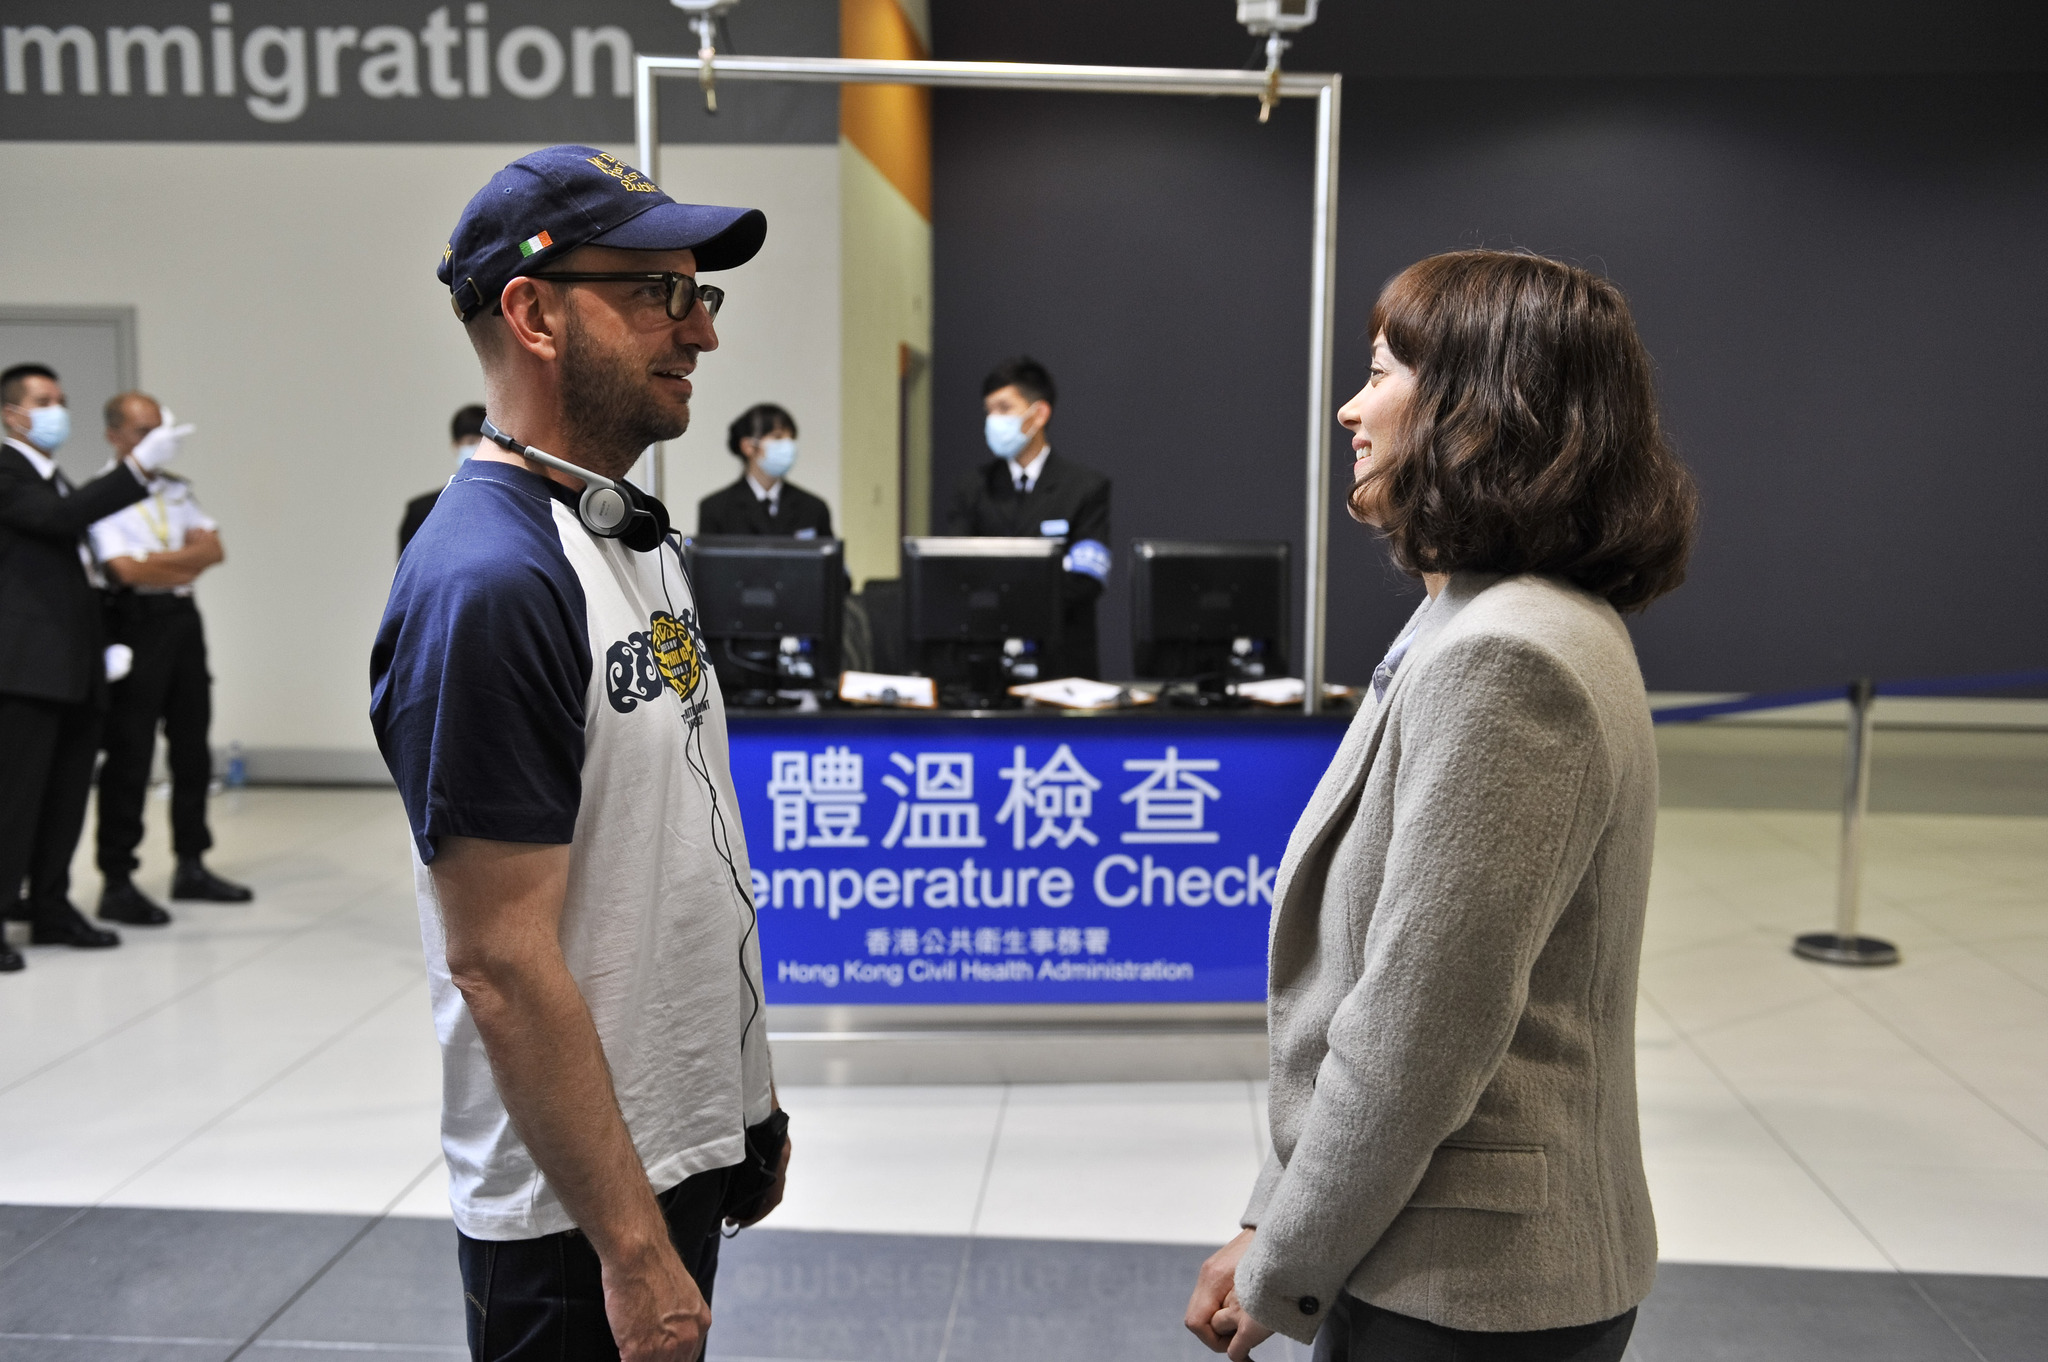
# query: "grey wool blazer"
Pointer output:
{"type": "Point", "coordinates": [1456, 931]}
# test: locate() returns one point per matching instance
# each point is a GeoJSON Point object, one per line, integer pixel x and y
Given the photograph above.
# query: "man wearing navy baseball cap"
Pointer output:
{"type": "Point", "coordinates": [540, 692]}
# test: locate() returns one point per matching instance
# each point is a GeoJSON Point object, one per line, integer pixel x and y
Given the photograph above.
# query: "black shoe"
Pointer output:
{"type": "Point", "coordinates": [195, 881]}
{"type": "Point", "coordinates": [64, 925]}
{"type": "Point", "coordinates": [10, 959]}
{"type": "Point", "coordinates": [123, 902]}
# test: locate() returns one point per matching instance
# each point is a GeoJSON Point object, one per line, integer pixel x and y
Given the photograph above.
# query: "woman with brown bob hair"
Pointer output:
{"type": "Point", "coordinates": [1457, 924]}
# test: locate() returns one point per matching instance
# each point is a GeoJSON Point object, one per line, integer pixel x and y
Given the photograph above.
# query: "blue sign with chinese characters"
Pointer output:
{"type": "Point", "coordinates": [1020, 860]}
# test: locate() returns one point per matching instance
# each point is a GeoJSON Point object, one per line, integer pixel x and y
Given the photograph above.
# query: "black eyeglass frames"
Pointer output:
{"type": "Point", "coordinates": [683, 290]}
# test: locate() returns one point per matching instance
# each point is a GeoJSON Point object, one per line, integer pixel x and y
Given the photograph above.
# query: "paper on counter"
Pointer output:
{"type": "Point", "coordinates": [878, 688]}
{"type": "Point", "coordinates": [1077, 692]}
{"type": "Point", "coordinates": [1284, 690]}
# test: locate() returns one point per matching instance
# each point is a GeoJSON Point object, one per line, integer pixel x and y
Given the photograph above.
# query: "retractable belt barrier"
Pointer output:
{"type": "Point", "coordinates": [1786, 699]}
{"type": "Point", "coordinates": [1845, 945]}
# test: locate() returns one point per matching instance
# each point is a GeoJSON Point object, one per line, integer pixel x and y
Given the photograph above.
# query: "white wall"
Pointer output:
{"type": "Point", "coordinates": [779, 331]}
{"type": "Point", "coordinates": [887, 246]}
{"type": "Point", "coordinates": [287, 305]}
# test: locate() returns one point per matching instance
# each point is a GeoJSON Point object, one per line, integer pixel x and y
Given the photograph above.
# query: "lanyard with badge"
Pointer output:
{"type": "Point", "coordinates": [160, 522]}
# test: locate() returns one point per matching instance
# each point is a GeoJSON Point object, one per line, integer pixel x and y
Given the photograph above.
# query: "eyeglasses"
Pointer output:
{"type": "Point", "coordinates": [683, 292]}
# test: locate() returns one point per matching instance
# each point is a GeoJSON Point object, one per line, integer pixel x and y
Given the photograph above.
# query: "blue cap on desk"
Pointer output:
{"type": "Point", "coordinates": [549, 202]}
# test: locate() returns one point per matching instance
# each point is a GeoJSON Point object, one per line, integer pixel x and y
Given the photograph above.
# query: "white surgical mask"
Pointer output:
{"type": "Point", "coordinates": [49, 427]}
{"type": "Point", "coordinates": [1005, 435]}
{"type": "Point", "coordinates": [778, 457]}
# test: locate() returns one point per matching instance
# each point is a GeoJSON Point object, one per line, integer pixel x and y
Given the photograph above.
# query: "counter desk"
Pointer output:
{"type": "Point", "coordinates": [1019, 857]}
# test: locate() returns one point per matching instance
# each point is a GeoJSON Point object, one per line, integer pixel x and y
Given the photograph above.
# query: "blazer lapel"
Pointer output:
{"type": "Point", "coordinates": [1333, 796]}
{"type": "Point", "coordinates": [1340, 785]}
{"type": "Point", "coordinates": [1048, 480]}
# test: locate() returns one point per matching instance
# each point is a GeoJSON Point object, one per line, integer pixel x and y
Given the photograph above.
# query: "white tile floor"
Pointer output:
{"type": "Point", "coordinates": [280, 1057]}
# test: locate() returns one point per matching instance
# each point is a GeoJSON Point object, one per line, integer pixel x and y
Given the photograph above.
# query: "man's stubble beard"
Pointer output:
{"type": "Point", "coordinates": [606, 406]}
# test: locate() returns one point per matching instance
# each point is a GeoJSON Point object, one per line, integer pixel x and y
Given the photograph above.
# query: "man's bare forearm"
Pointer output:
{"type": "Point", "coordinates": [159, 569]}
{"type": "Point", "coordinates": [171, 567]}
{"type": "Point", "coordinates": [543, 1046]}
{"type": "Point", "coordinates": [205, 546]}
{"type": "Point", "coordinates": [551, 1072]}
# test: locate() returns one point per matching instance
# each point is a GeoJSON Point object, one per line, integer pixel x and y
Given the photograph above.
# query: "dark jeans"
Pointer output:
{"type": "Point", "coordinates": [1357, 1332]}
{"type": "Point", "coordinates": [169, 685]}
{"type": "Point", "coordinates": [46, 752]}
{"type": "Point", "coordinates": [533, 1299]}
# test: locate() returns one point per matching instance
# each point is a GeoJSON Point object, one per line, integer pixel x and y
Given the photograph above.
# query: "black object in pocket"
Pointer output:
{"type": "Point", "coordinates": [754, 1175]}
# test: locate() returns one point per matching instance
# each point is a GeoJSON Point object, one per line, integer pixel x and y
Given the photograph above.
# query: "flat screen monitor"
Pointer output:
{"type": "Point", "coordinates": [1209, 611]}
{"type": "Point", "coordinates": [982, 590]}
{"type": "Point", "coordinates": [770, 607]}
{"type": "Point", "coordinates": [979, 613]}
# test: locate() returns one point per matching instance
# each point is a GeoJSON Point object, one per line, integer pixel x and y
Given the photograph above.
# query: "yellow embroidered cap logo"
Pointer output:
{"type": "Point", "coordinates": [628, 178]}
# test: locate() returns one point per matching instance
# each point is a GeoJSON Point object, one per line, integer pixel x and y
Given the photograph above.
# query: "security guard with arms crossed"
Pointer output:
{"type": "Point", "coordinates": [1028, 491]}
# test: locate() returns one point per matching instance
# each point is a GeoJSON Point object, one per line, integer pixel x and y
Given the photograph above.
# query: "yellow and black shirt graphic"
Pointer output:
{"type": "Point", "coordinates": [669, 652]}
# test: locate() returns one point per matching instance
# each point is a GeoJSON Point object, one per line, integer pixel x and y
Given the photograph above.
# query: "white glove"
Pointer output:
{"type": "Point", "coordinates": [160, 446]}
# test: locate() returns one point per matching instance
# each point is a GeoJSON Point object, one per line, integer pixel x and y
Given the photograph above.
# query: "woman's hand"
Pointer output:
{"type": "Point", "coordinates": [1215, 1285]}
{"type": "Point", "coordinates": [1242, 1332]}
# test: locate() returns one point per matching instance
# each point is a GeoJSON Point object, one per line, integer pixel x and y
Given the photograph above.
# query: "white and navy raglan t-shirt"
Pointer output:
{"type": "Point", "coordinates": [532, 682]}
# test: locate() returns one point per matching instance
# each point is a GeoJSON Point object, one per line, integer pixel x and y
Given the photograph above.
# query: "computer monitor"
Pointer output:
{"type": "Point", "coordinates": [770, 610]}
{"type": "Point", "coordinates": [1211, 612]}
{"type": "Point", "coordinates": [980, 612]}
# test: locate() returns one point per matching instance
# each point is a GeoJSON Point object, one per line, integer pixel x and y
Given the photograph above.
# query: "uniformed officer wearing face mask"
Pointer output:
{"type": "Point", "coordinates": [764, 501]}
{"type": "Point", "coordinates": [1028, 490]}
{"type": "Point", "coordinates": [53, 654]}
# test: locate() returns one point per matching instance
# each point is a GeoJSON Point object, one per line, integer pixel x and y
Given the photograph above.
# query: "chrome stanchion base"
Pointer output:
{"type": "Point", "coordinates": [1830, 949]}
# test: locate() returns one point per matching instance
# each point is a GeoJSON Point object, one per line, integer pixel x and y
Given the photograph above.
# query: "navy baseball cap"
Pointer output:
{"type": "Point", "coordinates": [549, 202]}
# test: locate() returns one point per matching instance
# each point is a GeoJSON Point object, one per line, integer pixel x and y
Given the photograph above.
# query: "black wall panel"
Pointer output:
{"type": "Point", "coordinates": [1840, 274]}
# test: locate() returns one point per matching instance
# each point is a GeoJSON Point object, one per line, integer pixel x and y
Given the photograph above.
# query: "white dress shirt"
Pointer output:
{"type": "Point", "coordinates": [771, 495]}
{"type": "Point", "coordinates": [1024, 476]}
{"type": "Point", "coordinates": [156, 524]}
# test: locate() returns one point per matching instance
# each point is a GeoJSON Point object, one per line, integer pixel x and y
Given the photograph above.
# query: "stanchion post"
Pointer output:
{"type": "Point", "coordinates": [1844, 946]}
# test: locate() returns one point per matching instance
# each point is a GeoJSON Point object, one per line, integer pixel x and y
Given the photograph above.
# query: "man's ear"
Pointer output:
{"type": "Point", "coordinates": [529, 316]}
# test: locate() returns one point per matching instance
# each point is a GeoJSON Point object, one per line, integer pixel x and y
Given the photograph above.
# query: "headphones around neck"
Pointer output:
{"type": "Point", "coordinates": [609, 510]}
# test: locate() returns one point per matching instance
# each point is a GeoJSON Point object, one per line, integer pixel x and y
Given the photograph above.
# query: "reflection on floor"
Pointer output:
{"type": "Point", "coordinates": [120, 1285]}
{"type": "Point", "coordinates": [198, 1124]}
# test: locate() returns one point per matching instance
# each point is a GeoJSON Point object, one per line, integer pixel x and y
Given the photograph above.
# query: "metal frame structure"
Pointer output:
{"type": "Point", "coordinates": [1326, 89]}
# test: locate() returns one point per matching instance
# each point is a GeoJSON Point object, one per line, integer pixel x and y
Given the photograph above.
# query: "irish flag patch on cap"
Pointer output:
{"type": "Point", "coordinates": [539, 241]}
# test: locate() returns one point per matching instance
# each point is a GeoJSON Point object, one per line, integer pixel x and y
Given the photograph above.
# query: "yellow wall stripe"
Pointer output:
{"type": "Point", "coordinates": [890, 124]}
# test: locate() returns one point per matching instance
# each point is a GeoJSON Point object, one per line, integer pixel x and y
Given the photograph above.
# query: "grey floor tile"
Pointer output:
{"type": "Point", "coordinates": [2005, 1317]}
{"type": "Point", "coordinates": [833, 1297]}
{"type": "Point", "coordinates": [1034, 1299]}
{"type": "Point", "coordinates": [400, 1285]}
{"type": "Point", "coordinates": [317, 1350]}
{"type": "Point", "coordinates": [102, 1348]}
{"type": "Point", "coordinates": [22, 1226]}
{"type": "Point", "coordinates": [167, 1274]}
{"type": "Point", "coordinates": [187, 1286]}
{"type": "Point", "coordinates": [1704, 1313]}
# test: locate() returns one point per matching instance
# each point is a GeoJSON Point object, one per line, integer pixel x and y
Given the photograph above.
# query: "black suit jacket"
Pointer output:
{"type": "Point", "coordinates": [736, 510]}
{"type": "Point", "coordinates": [416, 512]}
{"type": "Point", "coordinates": [987, 502]}
{"type": "Point", "coordinates": [52, 635]}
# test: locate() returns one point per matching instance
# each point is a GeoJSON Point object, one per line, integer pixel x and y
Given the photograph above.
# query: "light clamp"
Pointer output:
{"type": "Point", "coordinates": [1269, 19]}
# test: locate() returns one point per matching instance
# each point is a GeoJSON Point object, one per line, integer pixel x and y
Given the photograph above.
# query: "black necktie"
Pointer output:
{"type": "Point", "coordinates": [60, 482]}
